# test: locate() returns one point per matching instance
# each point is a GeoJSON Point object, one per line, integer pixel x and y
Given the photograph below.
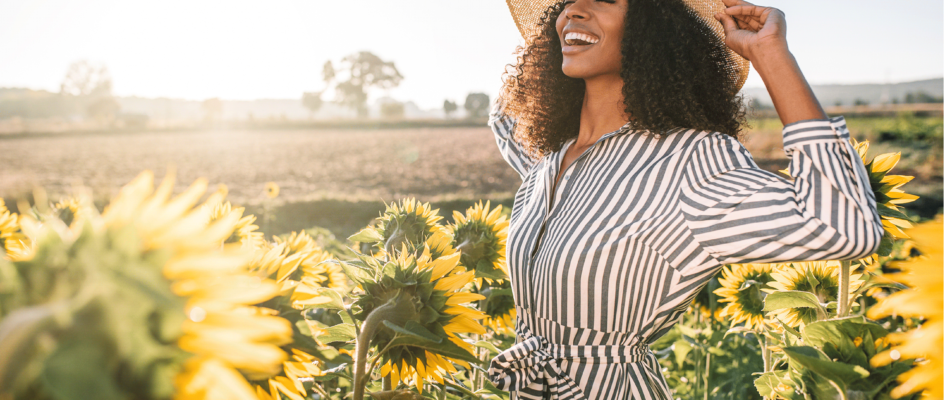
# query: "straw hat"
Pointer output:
{"type": "Point", "coordinates": [527, 13]}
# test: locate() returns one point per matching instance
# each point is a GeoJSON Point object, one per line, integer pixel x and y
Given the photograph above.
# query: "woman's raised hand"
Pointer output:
{"type": "Point", "coordinates": [751, 30]}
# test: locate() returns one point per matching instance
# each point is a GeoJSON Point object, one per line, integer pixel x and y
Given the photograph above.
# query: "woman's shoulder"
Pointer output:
{"type": "Point", "coordinates": [718, 148]}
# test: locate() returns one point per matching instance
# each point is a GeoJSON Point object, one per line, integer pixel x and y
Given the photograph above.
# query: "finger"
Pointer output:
{"type": "Point", "coordinates": [748, 10]}
{"type": "Point", "coordinates": [748, 22]}
{"type": "Point", "coordinates": [728, 23]}
{"type": "Point", "coordinates": [741, 22]}
{"type": "Point", "coordinates": [730, 3]}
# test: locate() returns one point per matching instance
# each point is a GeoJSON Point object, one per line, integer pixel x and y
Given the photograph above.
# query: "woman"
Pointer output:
{"type": "Point", "coordinates": [622, 119]}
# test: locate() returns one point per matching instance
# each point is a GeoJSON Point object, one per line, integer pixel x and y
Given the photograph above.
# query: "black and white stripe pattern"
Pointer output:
{"type": "Point", "coordinates": [638, 225]}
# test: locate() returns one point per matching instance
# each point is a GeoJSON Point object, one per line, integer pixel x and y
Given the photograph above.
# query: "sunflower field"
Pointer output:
{"type": "Point", "coordinates": [163, 296]}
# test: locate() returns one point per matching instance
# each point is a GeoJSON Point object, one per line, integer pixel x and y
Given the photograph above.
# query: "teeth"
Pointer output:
{"type": "Point", "coordinates": [580, 36]}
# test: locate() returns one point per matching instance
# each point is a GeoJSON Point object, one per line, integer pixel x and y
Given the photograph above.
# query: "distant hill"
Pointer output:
{"type": "Point", "coordinates": [874, 94]}
{"type": "Point", "coordinates": [28, 103]}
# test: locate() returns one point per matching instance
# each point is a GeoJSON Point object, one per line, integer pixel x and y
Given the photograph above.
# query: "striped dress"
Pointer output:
{"type": "Point", "coordinates": [610, 261]}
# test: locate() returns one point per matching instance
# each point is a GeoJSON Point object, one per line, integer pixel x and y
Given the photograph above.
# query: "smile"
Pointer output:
{"type": "Point", "coordinates": [575, 42]}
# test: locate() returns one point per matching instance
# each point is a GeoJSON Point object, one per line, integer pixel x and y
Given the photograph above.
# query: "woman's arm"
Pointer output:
{"type": "Point", "coordinates": [503, 126]}
{"type": "Point", "coordinates": [759, 35]}
{"type": "Point", "coordinates": [739, 213]}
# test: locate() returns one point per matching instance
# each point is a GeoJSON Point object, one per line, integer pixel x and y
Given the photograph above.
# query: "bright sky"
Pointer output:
{"type": "Point", "coordinates": [443, 48]}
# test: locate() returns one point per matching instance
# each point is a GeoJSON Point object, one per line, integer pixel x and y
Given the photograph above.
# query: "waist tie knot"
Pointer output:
{"type": "Point", "coordinates": [531, 365]}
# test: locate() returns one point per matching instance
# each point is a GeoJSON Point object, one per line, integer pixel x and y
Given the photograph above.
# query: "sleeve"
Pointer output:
{"type": "Point", "coordinates": [503, 126]}
{"type": "Point", "coordinates": [740, 213]}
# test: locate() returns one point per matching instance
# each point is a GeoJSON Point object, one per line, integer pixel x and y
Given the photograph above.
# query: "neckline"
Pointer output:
{"type": "Point", "coordinates": [623, 129]}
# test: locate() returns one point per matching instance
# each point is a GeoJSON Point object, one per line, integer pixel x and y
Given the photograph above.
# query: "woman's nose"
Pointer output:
{"type": "Point", "coordinates": [576, 10]}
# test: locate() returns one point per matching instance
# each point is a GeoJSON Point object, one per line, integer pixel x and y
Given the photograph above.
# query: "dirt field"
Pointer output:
{"type": "Point", "coordinates": [343, 164]}
{"type": "Point", "coordinates": [333, 178]}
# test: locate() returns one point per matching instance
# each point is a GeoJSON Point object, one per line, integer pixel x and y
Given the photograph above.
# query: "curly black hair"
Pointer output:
{"type": "Point", "coordinates": [673, 68]}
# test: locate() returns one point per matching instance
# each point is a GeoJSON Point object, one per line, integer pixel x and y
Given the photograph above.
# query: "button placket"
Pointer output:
{"type": "Point", "coordinates": [550, 204]}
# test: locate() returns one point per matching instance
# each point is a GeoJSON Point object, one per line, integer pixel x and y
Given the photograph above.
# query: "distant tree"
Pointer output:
{"type": "Point", "coordinates": [921, 97]}
{"type": "Point", "coordinates": [328, 72]}
{"type": "Point", "coordinates": [360, 72]}
{"type": "Point", "coordinates": [838, 103]}
{"type": "Point", "coordinates": [477, 105]}
{"type": "Point", "coordinates": [312, 101]}
{"type": "Point", "coordinates": [392, 109]}
{"type": "Point", "coordinates": [759, 105]}
{"type": "Point", "coordinates": [860, 102]}
{"type": "Point", "coordinates": [90, 86]}
{"type": "Point", "coordinates": [449, 107]}
{"type": "Point", "coordinates": [83, 78]}
{"type": "Point", "coordinates": [212, 109]}
{"type": "Point", "coordinates": [101, 105]}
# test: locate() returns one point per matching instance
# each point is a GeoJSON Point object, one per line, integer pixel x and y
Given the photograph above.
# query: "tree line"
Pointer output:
{"type": "Point", "coordinates": [358, 73]}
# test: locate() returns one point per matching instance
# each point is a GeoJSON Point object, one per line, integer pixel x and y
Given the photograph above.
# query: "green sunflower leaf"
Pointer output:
{"type": "Point", "coordinates": [337, 333]}
{"type": "Point", "coordinates": [80, 369]}
{"type": "Point", "coordinates": [357, 273]}
{"type": "Point", "coordinates": [839, 373]}
{"type": "Point", "coordinates": [445, 348]}
{"type": "Point", "coordinates": [886, 244]}
{"type": "Point", "coordinates": [328, 299]}
{"type": "Point", "coordinates": [792, 299]}
{"type": "Point", "coordinates": [889, 212]}
{"type": "Point", "coordinates": [412, 328]}
{"type": "Point", "coordinates": [485, 269]}
{"type": "Point", "coordinates": [488, 346]}
{"type": "Point", "coordinates": [770, 385]}
{"type": "Point", "coordinates": [366, 235]}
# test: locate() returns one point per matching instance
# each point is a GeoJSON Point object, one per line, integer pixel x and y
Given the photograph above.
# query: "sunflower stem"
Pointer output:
{"type": "Point", "coordinates": [708, 360]}
{"type": "Point", "coordinates": [765, 353]}
{"type": "Point", "coordinates": [371, 323]}
{"type": "Point", "coordinates": [442, 394]}
{"type": "Point", "coordinates": [843, 304]}
{"type": "Point", "coordinates": [321, 391]}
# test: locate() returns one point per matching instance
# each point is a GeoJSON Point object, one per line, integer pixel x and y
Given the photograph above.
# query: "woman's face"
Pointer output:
{"type": "Point", "coordinates": [591, 32]}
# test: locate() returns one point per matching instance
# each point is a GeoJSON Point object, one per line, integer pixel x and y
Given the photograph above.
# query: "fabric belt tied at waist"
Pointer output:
{"type": "Point", "coordinates": [532, 364]}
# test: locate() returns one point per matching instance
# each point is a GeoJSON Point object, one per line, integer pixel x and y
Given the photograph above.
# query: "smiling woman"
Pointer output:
{"type": "Point", "coordinates": [677, 72]}
{"type": "Point", "coordinates": [622, 119]}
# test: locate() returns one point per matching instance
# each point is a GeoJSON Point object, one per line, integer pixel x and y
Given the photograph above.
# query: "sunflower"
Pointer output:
{"type": "Point", "coordinates": [178, 304]}
{"type": "Point", "coordinates": [742, 287]}
{"type": "Point", "coordinates": [480, 235]}
{"type": "Point", "coordinates": [296, 264]}
{"type": "Point", "coordinates": [886, 190]}
{"type": "Point", "coordinates": [245, 232]}
{"type": "Point", "coordinates": [428, 300]}
{"type": "Point", "coordinates": [923, 274]}
{"type": "Point", "coordinates": [272, 190]}
{"type": "Point", "coordinates": [9, 227]}
{"type": "Point", "coordinates": [301, 365]}
{"type": "Point", "coordinates": [440, 244]}
{"type": "Point", "coordinates": [409, 222]}
{"type": "Point", "coordinates": [498, 307]}
{"type": "Point", "coordinates": [12, 240]}
{"type": "Point", "coordinates": [222, 327]}
{"type": "Point", "coordinates": [305, 270]}
{"type": "Point", "coordinates": [821, 278]}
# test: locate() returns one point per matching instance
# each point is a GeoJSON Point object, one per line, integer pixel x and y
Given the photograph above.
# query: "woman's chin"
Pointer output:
{"type": "Point", "coordinates": [576, 71]}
